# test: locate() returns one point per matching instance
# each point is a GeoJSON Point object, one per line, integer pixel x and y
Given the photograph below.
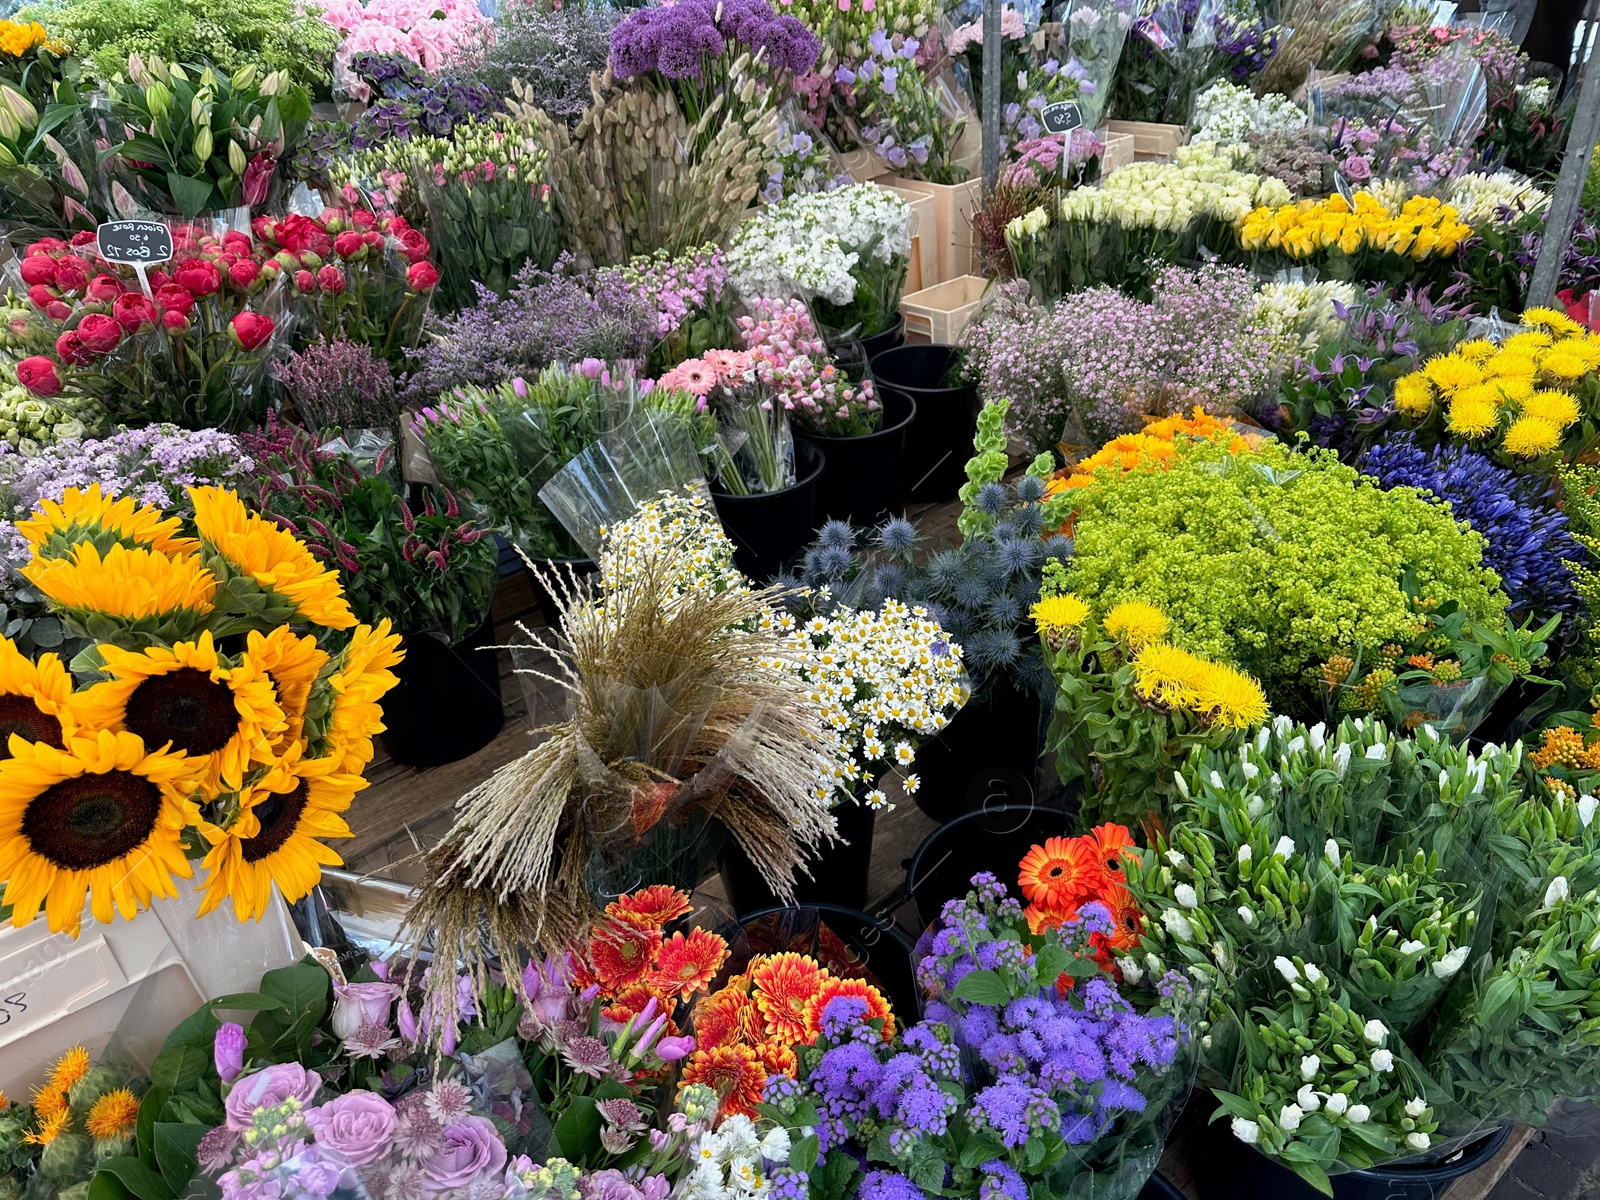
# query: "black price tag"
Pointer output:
{"type": "Point", "coordinates": [138, 243]}
{"type": "Point", "coordinates": [1061, 117]}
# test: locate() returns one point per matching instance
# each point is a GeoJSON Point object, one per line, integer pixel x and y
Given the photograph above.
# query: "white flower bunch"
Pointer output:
{"type": "Point", "coordinates": [1535, 93]}
{"type": "Point", "coordinates": [683, 518]}
{"type": "Point", "coordinates": [29, 424]}
{"type": "Point", "coordinates": [818, 244]}
{"type": "Point", "coordinates": [1296, 316]}
{"type": "Point", "coordinates": [1225, 114]}
{"type": "Point", "coordinates": [1478, 197]}
{"type": "Point", "coordinates": [1206, 181]}
{"type": "Point", "coordinates": [885, 681]}
{"type": "Point", "coordinates": [735, 1161]}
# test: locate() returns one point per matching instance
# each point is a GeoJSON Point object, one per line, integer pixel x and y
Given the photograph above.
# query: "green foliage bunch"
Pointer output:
{"type": "Point", "coordinates": [1272, 559]}
{"type": "Point", "coordinates": [275, 34]}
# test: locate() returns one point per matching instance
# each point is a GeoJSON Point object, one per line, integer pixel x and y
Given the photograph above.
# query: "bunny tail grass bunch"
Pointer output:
{"type": "Point", "coordinates": [683, 710]}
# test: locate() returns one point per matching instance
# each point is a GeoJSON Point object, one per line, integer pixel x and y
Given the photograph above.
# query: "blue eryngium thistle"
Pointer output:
{"type": "Point", "coordinates": [833, 561]}
{"type": "Point", "coordinates": [944, 570]}
{"type": "Point", "coordinates": [899, 536]}
{"type": "Point", "coordinates": [837, 535]}
{"type": "Point", "coordinates": [972, 591]}
{"type": "Point", "coordinates": [992, 499]}
{"type": "Point", "coordinates": [1003, 610]}
{"type": "Point", "coordinates": [1030, 489]}
{"type": "Point", "coordinates": [891, 579]}
{"type": "Point", "coordinates": [1018, 555]}
{"type": "Point", "coordinates": [993, 649]}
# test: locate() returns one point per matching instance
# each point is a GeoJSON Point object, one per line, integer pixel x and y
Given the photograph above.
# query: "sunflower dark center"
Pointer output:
{"type": "Point", "coordinates": [21, 716]}
{"type": "Point", "coordinates": [93, 820]}
{"type": "Point", "coordinates": [185, 707]}
{"type": "Point", "coordinates": [279, 815]}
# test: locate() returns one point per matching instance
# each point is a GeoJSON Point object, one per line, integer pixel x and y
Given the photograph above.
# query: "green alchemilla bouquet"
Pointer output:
{"type": "Point", "coordinates": [1401, 937]}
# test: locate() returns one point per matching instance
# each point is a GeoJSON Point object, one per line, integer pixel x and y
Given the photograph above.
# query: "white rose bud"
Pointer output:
{"type": "Point", "coordinates": [1416, 1106]}
{"type": "Point", "coordinates": [1359, 1114]}
{"type": "Point", "coordinates": [1185, 896]}
{"type": "Point", "coordinates": [1375, 1032]}
{"type": "Point", "coordinates": [1337, 1103]}
{"type": "Point", "coordinates": [1382, 1061]}
{"type": "Point", "coordinates": [1289, 1117]}
{"type": "Point", "coordinates": [1417, 1141]}
{"type": "Point", "coordinates": [1247, 1132]}
{"type": "Point", "coordinates": [1309, 1066]}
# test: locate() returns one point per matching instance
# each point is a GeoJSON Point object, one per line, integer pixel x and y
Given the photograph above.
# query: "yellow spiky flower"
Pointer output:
{"type": "Point", "coordinates": [1413, 395]}
{"type": "Point", "coordinates": [1531, 437]}
{"type": "Point", "coordinates": [1472, 418]}
{"type": "Point", "coordinates": [1137, 624]}
{"type": "Point", "coordinates": [1559, 408]}
{"type": "Point", "coordinates": [1058, 614]}
{"type": "Point", "coordinates": [113, 1116]}
{"type": "Point", "coordinates": [72, 1066]}
{"type": "Point", "coordinates": [1451, 373]}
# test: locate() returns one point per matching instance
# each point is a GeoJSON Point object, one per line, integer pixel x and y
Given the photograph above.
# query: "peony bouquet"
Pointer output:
{"type": "Point", "coordinates": [428, 32]}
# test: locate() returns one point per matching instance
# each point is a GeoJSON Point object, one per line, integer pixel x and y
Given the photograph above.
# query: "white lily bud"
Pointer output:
{"type": "Point", "coordinates": [1318, 734]}
{"type": "Point", "coordinates": [1179, 783]}
{"type": "Point", "coordinates": [1216, 779]}
{"type": "Point", "coordinates": [1411, 946]}
{"type": "Point", "coordinates": [1377, 752]}
{"type": "Point", "coordinates": [1254, 807]}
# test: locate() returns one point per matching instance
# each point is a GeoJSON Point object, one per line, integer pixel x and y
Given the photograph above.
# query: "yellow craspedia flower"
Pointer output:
{"type": "Point", "coordinates": [1559, 408]}
{"type": "Point", "coordinates": [1476, 350]}
{"type": "Point", "coordinates": [1413, 395]}
{"type": "Point", "coordinates": [1563, 363]}
{"type": "Point", "coordinates": [1137, 624]}
{"type": "Point", "coordinates": [1472, 418]}
{"type": "Point", "coordinates": [1229, 698]}
{"type": "Point", "coordinates": [1057, 614]}
{"type": "Point", "coordinates": [127, 583]}
{"type": "Point", "coordinates": [1532, 437]}
{"type": "Point", "coordinates": [1451, 373]}
{"type": "Point", "coordinates": [113, 1115]}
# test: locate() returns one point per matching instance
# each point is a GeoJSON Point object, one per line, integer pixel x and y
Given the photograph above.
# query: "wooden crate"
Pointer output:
{"type": "Point", "coordinates": [864, 166]}
{"type": "Point", "coordinates": [924, 269]}
{"type": "Point", "coordinates": [954, 206]}
{"type": "Point", "coordinates": [1151, 141]}
{"type": "Point", "coordinates": [1118, 153]}
{"type": "Point", "coordinates": [940, 314]}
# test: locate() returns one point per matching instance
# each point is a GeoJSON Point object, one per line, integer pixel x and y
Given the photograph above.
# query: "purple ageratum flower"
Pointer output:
{"type": "Point", "coordinates": [1001, 1182]}
{"type": "Point", "coordinates": [1013, 1111]}
{"type": "Point", "coordinates": [888, 1185]}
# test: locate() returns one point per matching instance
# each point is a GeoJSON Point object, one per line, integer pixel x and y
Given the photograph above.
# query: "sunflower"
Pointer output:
{"type": "Point", "coordinates": [72, 1066]}
{"type": "Point", "coordinates": [1058, 614]}
{"type": "Point", "coordinates": [277, 836]}
{"type": "Point", "coordinates": [1059, 873]}
{"type": "Point", "coordinates": [129, 584]}
{"type": "Point", "coordinates": [1559, 408]}
{"type": "Point", "coordinates": [785, 983]}
{"type": "Point", "coordinates": [113, 1116]}
{"type": "Point", "coordinates": [291, 665]}
{"type": "Point", "coordinates": [653, 905]}
{"type": "Point", "coordinates": [1137, 624]}
{"type": "Point", "coordinates": [36, 700]}
{"type": "Point", "coordinates": [1531, 437]}
{"type": "Point", "coordinates": [859, 989]}
{"type": "Point", "coordinates": [360, 679]}
{"type": "Point", "coordinates": [90, 516]}
{"type": "Point", "coordinates": [725, 1017]}
{"type": "Point", "coordinates": [274, 558]}
{"type": "Point", "coordinates": [102, 818]}
{"type": "Point", "coordinates": [1112, 844]}
{"type": "Point", "coordinates": [734, 1072]}
{"type": "Point", "coordinates": [623, 953]}
{"type": "Point", "coordinates": [188, 699]}
{"type": "Point", "coordinates": [685, 964]}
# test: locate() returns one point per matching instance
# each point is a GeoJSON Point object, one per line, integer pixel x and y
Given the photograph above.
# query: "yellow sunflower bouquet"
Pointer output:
{"type": "Point", "coordinates": [1362, 239]}
{"type": "Point", "coordinates": [224, 711]}
{"type": "Point", "coordinates": [1532, 396]}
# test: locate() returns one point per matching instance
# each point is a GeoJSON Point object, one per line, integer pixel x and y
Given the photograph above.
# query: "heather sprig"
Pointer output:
{"type": "Point", "coordinates": [341, 384]}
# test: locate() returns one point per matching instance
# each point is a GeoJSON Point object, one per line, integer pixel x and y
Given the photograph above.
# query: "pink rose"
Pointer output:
{"type": "Point", "coordinates": [355, 1128]}
{"type": "Point", "coordinates": [358, 1004]}
{"type": "Point", "coordinates": [470, 1148]}
{"type": "Point", "coordinates": [269, 1087]}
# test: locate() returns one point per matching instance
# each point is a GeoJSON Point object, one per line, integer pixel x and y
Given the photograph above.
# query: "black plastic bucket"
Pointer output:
{"type": "Point", "coordinates": [994, 839]}
{"type": "Point", "coordinates": [1159, 1187]}
{"type": "Point", "coordinates": [891, 337]}
{"type": "Point", "coordinates": [987, 755]}
{"type": "Point", "coordinates": [862, 481]}
{"type": "Point", "coordinates": [1234, 1171]}
{"type": "Point", "coordinates": [850, 944]}
{"type": "Point", "coordinates": [838, 871]}
{"type": "Point", "coordinates": [447, 703]}
{"type": "Point", "coordinates": [768, 530]}
{"type": "Point", "coordinates": [939, 442]}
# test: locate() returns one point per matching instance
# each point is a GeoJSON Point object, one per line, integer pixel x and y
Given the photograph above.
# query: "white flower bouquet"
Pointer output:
{"type": "Point", "coordinates": [1226, 114]}
{"type": "Point", "coordinates": [844, 252]}
{"type": "Point", "coordinates": [1296, 316]}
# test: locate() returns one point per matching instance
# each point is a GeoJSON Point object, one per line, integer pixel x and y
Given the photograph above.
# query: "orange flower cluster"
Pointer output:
{"type": "Point", "coordinates": [1564, 746]}
{"type": "Point", "coordinates": [748, 1029]}
{"type": "Point", "coordinates": [1061, 876]}
{"type": "Point", "coordinates": [633, 960]}
{"type": "Point", "coordinates": [1155, 445]}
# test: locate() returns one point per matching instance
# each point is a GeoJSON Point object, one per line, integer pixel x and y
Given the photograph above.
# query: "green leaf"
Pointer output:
{"type": "Point", "coordinates": [1050, 961]}
{"type": "Point", "coordinates": [104, 1186]}
{"type": "Point", "coordinates": [578, 1130]}
{"type": "Point", "coordinates": [980, 1148]}
{"type": "Point", "coordinates": [803, 1154]}
{"type": "Point", "coordinates": [175, 1151]}
{"type": "Point", "coordinates": [197, 1029]}
{"type": "Point", "coordinates": [144, 1130]}
{"type": "Point", "coordinates": [247, 1001]}
{"type": "Point", "coordinates": [138, 1179]}
{"type": "Point", "coordinates": [180, 1068]}
{"type": "Point", "coordinates": [192, 196]}
{"type": "Point", "coordinates": [982, 987]}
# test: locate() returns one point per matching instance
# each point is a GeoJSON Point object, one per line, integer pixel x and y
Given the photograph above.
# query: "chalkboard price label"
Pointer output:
{"type": "Point", "coordinates": [138, 243]}
{"type": "Point", "coordinates": [1061, 117]}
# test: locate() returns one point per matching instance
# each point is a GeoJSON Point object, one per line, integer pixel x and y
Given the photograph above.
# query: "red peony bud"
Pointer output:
{"type": "Point", "coordinates": [38, 269]}
{"type": "Point", "coordinates": [135, 312]}
{"type": "Point", "coordinates": [99, 333]}
{"type": "Point", "coordinates": [38, 375]}
{"type": "Point", "coordinates": [70, 349]}
{"type": "Point", "coordinates": [422, 276]}
{"type": "Point", "coordinates": [105, 288]}
{"type": "Point", "coordinates": [175, 298]}
{"type": "Point", "coordinates": [198, 275]}
{"type": "Point", "coordinates": [331, 280]}
{"type": "Point", "coordinates": [250, 331]}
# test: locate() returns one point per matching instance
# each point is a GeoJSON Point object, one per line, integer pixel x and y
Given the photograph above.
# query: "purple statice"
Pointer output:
{"type": "Point", "coordinates": [675, 41]}
{"type": "Point", "coordinates": [1527, 542]}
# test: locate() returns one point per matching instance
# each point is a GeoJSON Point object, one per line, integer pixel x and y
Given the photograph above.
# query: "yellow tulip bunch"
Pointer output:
{"type": "Point", "coordinates": [1422, 226]}
{"type": "Point", "coordinates": [1523, 391]}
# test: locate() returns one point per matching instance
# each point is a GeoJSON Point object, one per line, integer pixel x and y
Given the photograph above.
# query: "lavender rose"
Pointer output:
{"type": "Point", "coordinates": [358, 1004]}
{"type": "Point", "coordinates": [471, 1147]}
{"type": "Point", "coordinates": [354, 1129]}
{"type": "Point", "coordinates": [266, 1088]}
{"type": "Point", "coordinates": [227, 1050]}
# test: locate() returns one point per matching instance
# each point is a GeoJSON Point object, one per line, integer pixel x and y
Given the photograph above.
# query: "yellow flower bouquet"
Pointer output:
{"type": "Point", "coordinates": [1532, 396]}
{"type": "Point", "coordinates": [1361, 240]}
{"type": "Point", "coordinates": [224, 711]}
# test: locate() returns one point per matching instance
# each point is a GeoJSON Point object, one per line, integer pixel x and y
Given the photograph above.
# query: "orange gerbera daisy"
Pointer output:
{"type": "Point", "coordinates": [725, 1018]}
{"type": "Point", "coordinates": [1043, 921]}
{"type": "Point", "coordinates": [734, 1072]}
{"type": "Point", "coordinates": [1113, 843]}
{"type": "Point", "coordinates": [1060, 873]}
{"type": "Point", "coordinates": [877, 1006]}
{"type": "Point", "coordinates": [630, 1002]}
{"type": "Point", "coordinates": [785, 983]}
{"type": "Point", "coordinates": [685, 965]}
{"type": "Point", "coordinates": [653, 905]}
{"type": "Point", "coordinates": [1127, 915]}
{"type": "Point", "coordinates": [623, 954]}
{"type": "Point", "coordinates": [778, 1059]}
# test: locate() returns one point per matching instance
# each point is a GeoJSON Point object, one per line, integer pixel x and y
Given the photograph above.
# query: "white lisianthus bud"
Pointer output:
{"type": "Point", "coordinates": [1558, 890]}
{"type": "Point", "coordinates": [1220, 953]}
{"type": "Point", "coordinates": [1341, 758]}
{"type": "Point", "coordinates": [1312, 974]}
{"type": "Point", "coordinates": [1287, 969]}
{"type": "Point", "coordinates": [1250, 770]}
{"type": "Point", "coordinates": [1185, 896]}
{"type": "Point", "coordinates": [1318, 734]}
{"type": "Point", "coordinates": [1296, 744]}
{"type": "Point", "coordinates": [1284, 848]}
{"type": "Point", "coordinates": [1216, 779]}
{"type": "Point", "coordinates": [1245, 853]}
{"type": "Point", "coordinates": [1246, 914]}
{"type": "Point", "coordinates": [1330, 851]}
{"type": "Point", "coordinates": [1309, 1066]}
{"type": "Point", "coordinates": [1359, 1114]}
{"type": "Point", "coordinates": [1337, 1103]}
{"type": "Point", "coordinates": [1416, 1106]}
{"type": "Point", "coordinates": [1254, 807]}
{"type": "Point", "coordinates": [1306, 1098]}
{"type": "Point", "coordinates": [1378, 752]}
{"type": "Point", "coordinates": [1447, 966]}
{"type": "Point", "coordinates": [1262, 739]}
{"type": "Point", "coordinates": [1382, 1061]}
{"type": "Point", "coordinates": [1178, 925]}
{"type": "Point", "coordinates": [1410, 946]}
{"type": "Point", "coordinates": [1132, 972]}
{"type": "Point", "coordinates": [1289, 1117]}
{"type": "Point", "coordinates": [1586, 807]}
{"type": "Point", "coordinates": [1247, 1132]}
{"type": "Point", "coordinates": [1176, 858]}
{"type": "Point", "coordinates": [1417, 1141]}
{"type": "Point", "coordinates": [1179, 782]}
{"type": "Point", "coordinates": [1375, 1032]}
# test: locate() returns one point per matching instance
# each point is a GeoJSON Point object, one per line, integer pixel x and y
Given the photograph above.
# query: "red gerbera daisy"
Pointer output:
{"type": "Point", "coordinates": [777, 1058]}
{"type": "Point", "coordinates": [622, 954]}
{"type": "Point", "coordinates": [653, 905]}
{"type": "Point", "coordinates": [735, 1072]}
{"type": "Point", "coordinates": [632, 1001]}
{"type": "Point", "coordinates": [1060, 873]}
{"type": "Point", "coordinates": [724, 1018]}
{"type": "Point", "coordinates": [1113, 843]}
{"type": "Point", "coordinates": [785, 984]}
{"type": "Point", "coordinates": [877, 1006]}
{"type": "Point", "coordinates": [685, 965]}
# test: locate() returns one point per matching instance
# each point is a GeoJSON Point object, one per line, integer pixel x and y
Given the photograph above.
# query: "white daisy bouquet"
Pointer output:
{"type": "Point", "coordinates": [1401, 938]}
{"type": "Point", "coordinates": [844, 252]}
{"type": "Point", "coordinates": [885, 680]}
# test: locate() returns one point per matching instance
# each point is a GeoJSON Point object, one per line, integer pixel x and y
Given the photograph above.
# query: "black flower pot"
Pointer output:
{"type": "Point", "coordinates": [769, 529]}
{"type": "Point", "coordinates": [573, 569]}
{"type": "Point", "coordinates": [939, 442]}
{"type": "Point", "coordinates": [994, 839]}
{"type": "Point", "coordinates": [838, 870]}
{"type": "Point", "coordinates": [447, 703]}
{"type": "Point", "coordinates": [891, 337]}
{"type": "Point", "coordinates": [861, 478]}
{"type": "Point", "coordinates": [987, 755]}
{"type": "Point", "coordinates": [850, 944]}
{"type": "Point", "coordinates": [1234, 1171]}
